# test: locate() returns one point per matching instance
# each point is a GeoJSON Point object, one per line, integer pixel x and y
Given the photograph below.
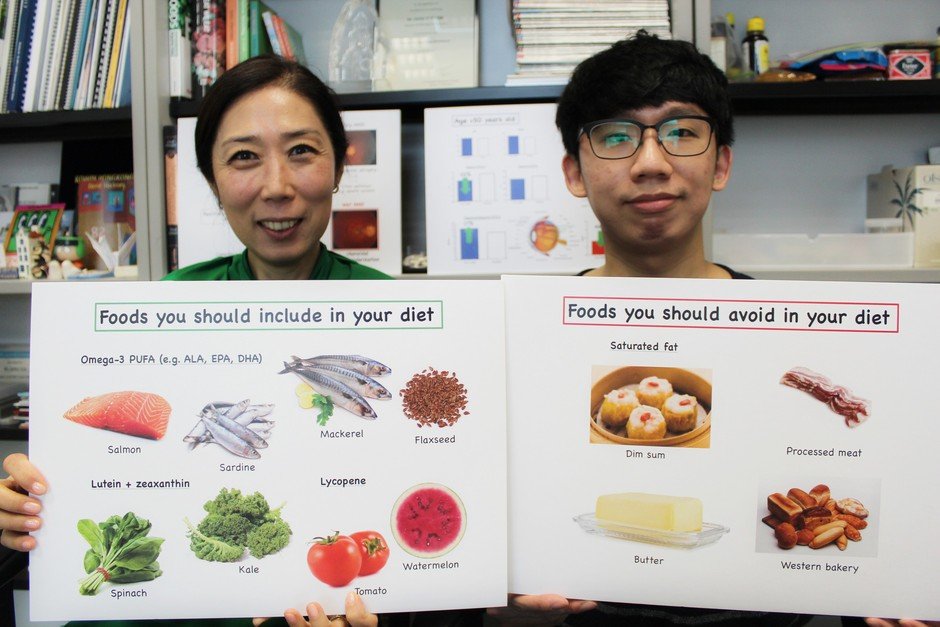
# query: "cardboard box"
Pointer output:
{"type": "Point", "coordinates": [914, 195]}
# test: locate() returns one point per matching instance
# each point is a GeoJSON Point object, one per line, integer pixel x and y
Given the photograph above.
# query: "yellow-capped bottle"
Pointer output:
{"type": "Point", "coordinates": [756, 47]}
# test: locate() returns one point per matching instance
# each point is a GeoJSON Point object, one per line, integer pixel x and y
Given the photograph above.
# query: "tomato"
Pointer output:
{"type": "Point", "coordinates": [374, 551]}
{"type": "Point", "coordinates": [334, 560]}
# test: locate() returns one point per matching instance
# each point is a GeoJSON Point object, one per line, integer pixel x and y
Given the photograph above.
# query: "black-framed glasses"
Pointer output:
{"type": "Point", "coordinates": [680, 136]}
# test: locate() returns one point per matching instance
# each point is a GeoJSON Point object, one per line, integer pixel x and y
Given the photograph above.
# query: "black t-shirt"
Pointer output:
{"type": "Point", "coordinates": [734, 274]}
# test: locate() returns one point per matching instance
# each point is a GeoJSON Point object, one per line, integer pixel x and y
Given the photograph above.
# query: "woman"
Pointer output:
{"type": "Point", "coordinates": [270, 142]}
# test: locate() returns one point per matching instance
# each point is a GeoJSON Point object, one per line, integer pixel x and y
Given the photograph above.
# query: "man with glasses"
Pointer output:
{"type": "Point", "coordinates": [647, 130]}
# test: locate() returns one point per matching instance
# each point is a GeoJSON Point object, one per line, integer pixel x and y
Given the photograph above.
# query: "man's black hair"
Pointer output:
{"type": "Point", "coordinates": [643, 71]}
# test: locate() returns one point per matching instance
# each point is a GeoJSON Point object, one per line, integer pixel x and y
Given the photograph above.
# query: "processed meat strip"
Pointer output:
{"type": "Point", "coordinates": [839, 398]}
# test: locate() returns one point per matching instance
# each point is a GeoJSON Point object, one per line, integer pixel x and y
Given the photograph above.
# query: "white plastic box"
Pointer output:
{"type": "Point", "coordinates": [834, 251]}
{"type": "Point", "coordinates": [922, 209]}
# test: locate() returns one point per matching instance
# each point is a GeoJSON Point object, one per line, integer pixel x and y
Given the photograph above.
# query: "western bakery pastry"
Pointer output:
{"type": "Point", "coordinates": [654, 391]}
{"type": "Point", "coordinates": [646, 423]}
{"type": "Point", "coordinates": [617, 406]}
{"type": "Point", "coordinates": [680, 412]}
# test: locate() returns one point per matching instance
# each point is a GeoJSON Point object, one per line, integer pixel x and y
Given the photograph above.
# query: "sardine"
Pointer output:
{"type": "Point", "coordinates": [240, 431]}
{"type": "Point", "coordinates": [363, 384]}
{"type": "Point", "coordinates": [228, 440]}
{"type": "Point", "coordinates": [360, 364]}
{"type": "Point", "coordinates": [341, 394]}
{"type": "Point", "coordinates": [246, 414]}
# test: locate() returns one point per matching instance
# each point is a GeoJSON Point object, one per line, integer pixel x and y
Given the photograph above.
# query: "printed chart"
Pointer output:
{"type": "Point", "coordinates": [235, 449]}
{"type": "Point", "coordinates": [494, 181]}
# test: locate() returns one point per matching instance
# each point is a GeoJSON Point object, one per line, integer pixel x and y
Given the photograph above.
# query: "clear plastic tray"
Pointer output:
{"type": "Point", "coordinates": [678, 539]}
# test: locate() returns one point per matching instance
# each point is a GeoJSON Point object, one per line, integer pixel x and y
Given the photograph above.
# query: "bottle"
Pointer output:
{"type": "Point", "coordinates": [936, 57]}
{"type": "Point", "coordinates": [734, 62]}
{"type": "Point", "coordinates": [756, 47]}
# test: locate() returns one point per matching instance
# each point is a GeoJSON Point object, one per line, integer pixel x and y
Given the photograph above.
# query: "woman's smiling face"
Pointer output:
{"type": "Point", "coordinates": [274, 174]}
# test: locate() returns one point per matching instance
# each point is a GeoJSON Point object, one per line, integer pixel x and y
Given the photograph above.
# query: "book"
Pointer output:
{"type": "Point", "coordinates": [9, 11]}
{"type": "Point", "coordinates": [242, 31]}
{"type": "Point", "coordinates": [88, 68]}
{"type": "Point", "coordinates": [65, 56]}
{"type": "Point", "coordinates": [122, 88]}
{"type": "Point", "coordinates": [268, 19]}
{"type": "Point", "coordinates": [231, 33]}
{"type": "Point", "coordinates": [105, 210]}
{"type": "Point", "coordinates": [170, 173]}
{"type": "Point", "coordinates": [208, 43]}
{"type": "Point", "coordinates": [77, 53]}
{"type": "Point", "coordinates": [293, 41]}
{"type": "Point", "coordinates": [258, 42]}
{"type": "Point", "coordinates": [180, 49]}
{"type": "Point", "coordinates": [16, 83]}
{"type": "Point", "coordinates": [107, 99]}
{"type": "Point", "coordinates": [37, 53]}
{"type": "Point", "coordinates": [55, 39]}
{"type": "Point", "coordinates": [104, 55]}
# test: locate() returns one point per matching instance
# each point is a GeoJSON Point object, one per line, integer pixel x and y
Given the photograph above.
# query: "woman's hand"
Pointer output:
{"type": "Point", "coordinates": [901, 622]}
{"type": "Point", "coordinates": [356, 616]}
{"type": "Point", "coordinates": [18, 511]}
{"type": "Point", "coordinates": [538, 609]}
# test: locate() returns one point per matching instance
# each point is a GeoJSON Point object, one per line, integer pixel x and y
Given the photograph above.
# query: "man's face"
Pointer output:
{"type": "Point", "coordinates": [652, 201]}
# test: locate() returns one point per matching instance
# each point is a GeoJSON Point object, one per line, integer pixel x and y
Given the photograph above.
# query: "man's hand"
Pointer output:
{"type": "Point", "coordinates": [356, 616]}
{"type": "Point", "coordinates": [901, 622]}
{"type": "Point", "coordinates": [538, 609]}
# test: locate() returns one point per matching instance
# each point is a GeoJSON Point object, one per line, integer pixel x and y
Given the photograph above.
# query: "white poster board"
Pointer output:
{"type": "Point", "coordinates": [729, 343]}
{"type": "Point", "coordinates": [366, 219]}
{"type": "Point", "coordinates": [156, 357]}
{"type": "Point", "coordinates": [496, 195]}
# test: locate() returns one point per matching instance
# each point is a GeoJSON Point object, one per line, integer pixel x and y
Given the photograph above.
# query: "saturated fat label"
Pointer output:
{"type": "Point", "coordinates": [755, 445]}
{"type": "Point", "coordinates": [236, 449]}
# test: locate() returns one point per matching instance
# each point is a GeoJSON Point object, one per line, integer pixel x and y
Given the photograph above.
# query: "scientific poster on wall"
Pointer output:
{"type": "Point", "coordinates": [216, 452]}
{"type": "Point", "coordinates": [496, 197]}
{"type": "Point", "coordinates": [757, 445]}
{"type": "Point", "coordinates": [366, 221]}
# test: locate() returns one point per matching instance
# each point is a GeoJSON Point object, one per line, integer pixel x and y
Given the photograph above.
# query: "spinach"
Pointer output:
{"type": "Point", "coordinates": [121, 552]}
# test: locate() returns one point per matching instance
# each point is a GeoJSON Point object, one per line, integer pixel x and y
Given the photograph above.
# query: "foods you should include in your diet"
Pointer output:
{"type": "Point", "coordinates": [343, 381]}
{"type": "Point", "coordinates": [335, 560]}
{"type": "Point", "coordinates": [374, 551]}
{"type": "Point", "coordinates": [140, 414]}
{"type": "Point", "coordinates": [650, 511]}
{"type": "Point", "coordinates": [840, 399]}
{"type": "Point", "coordinates": [815, 519]}
{"type": "Point", "coordinates": [240, 428]}
{"type": "Point", "coordinates": [428, 520]}
{"type": "Point", "coordinates": [121, 552]}
{"type": "Point", "coordinates": [433, 397]}
{"type": "Point", "coordinates": [235, 523]}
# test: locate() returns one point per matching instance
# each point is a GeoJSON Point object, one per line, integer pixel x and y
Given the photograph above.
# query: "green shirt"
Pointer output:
{"type": "Point", "coordinates": [330, 266]}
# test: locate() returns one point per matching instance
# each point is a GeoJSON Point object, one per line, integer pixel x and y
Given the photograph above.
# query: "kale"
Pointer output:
{"type": "Point", "coordinates": [234, 522]}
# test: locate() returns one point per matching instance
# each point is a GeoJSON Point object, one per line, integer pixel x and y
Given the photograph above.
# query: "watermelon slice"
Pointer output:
{"type": "Point", "coordinates": [428, 520]}
{"type": "Point", "coordinates": [140, 414]}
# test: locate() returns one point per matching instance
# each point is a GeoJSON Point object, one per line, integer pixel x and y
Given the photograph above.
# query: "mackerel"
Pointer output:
{"type": "Point", "coordinates": [360, 364]}
{"type": "Point", "coordinates": [363, 384]}
{"type": "Point", "coordinates": [341, 394]}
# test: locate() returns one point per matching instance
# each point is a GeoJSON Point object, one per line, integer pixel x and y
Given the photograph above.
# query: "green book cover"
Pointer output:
{"type": "Point", "coordinates": [258, 42]}
{"type": "Point", "coordinates": [243, 27]}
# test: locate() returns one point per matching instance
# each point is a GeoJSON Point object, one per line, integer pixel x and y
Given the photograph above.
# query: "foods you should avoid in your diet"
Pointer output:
{"type": "Point", "coordinates": [343, 381]}
{"type": "Point", "coordinates": [240, 428]}
{"type": "Point", "coordinates": [650, 511]}
{"type": "Point", "coordinates": [335, 560]}
{"type": "Point", "coordinates": [434, 397]}
{"type": "Point", "coordinates": [236, 523]}
{"type": "Point", "coordinates": [428, 520]}
{"type": "Point", "coordinates": [140, 414]}
{"type": "Point", "coordinates": [122, 551]}
{"type": "Point", "coordinates": [374, 551]}
{"type": "Point", "coordinates": [840, 399]}
{"type": "Point", "coordinates": [816, 519]}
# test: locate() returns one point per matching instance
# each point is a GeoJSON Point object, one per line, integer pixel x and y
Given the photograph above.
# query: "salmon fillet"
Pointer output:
{"type": "Point", "coordinates": [141, 414]}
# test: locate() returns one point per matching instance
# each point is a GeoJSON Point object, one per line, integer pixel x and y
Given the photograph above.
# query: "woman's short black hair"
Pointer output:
{"type": "Point", "coordinates": [250, 76]}
{"type": "Point", "coordinates": [643, 71]}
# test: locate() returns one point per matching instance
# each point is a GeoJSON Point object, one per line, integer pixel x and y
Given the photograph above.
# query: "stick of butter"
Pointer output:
{"type": "Point", "coordinates": [652, 511]}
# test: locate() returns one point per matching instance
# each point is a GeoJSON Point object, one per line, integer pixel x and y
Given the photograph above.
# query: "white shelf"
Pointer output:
{"type": "Point", "coordinates": [904, 275]}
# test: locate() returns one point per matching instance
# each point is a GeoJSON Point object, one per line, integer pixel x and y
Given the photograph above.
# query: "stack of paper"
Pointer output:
{"type": "Point", "coordinates": [553, 36]}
